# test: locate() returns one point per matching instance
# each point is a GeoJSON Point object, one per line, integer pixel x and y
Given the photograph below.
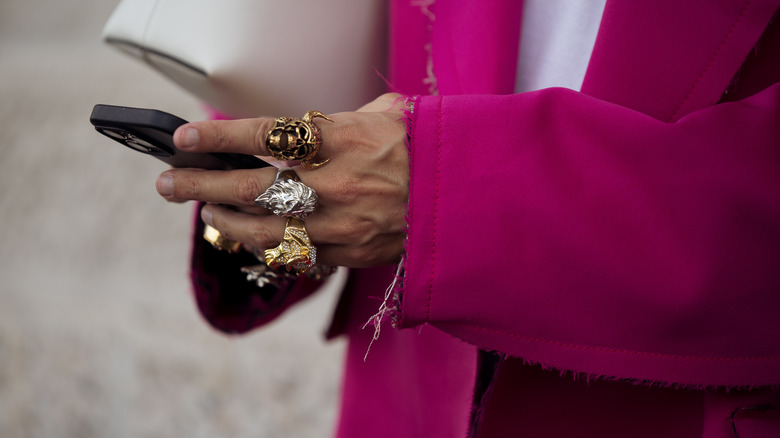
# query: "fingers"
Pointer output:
{"type": "Point", "coordinates": [236, 187]}
{"type": "Point", "coordinates": [246, 136]}
{"type": "Point", "coordinates": [265, 232]}
{"type": "Point", "coordinates": [363, 190]}
{"type": "Point", "coordinates": [251, 230]}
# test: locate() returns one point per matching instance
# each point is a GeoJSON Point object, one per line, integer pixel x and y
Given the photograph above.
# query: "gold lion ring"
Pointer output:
{"type": "Point", "coordinates": [296, 252]}
{"type": "Point", "coordinates": [292, 139]}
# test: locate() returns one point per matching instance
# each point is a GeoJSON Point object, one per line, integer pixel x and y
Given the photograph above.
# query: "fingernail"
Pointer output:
{"type": "Point", "coordinates": [165, 185]}
{"type": "Point", "coordinates": [205, 215]}
{"type": "Point", "coordinates": [188, 138]}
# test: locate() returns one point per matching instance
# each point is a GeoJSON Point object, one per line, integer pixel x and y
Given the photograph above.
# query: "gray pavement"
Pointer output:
{"type": "Point", "coordinates": [98, 334]}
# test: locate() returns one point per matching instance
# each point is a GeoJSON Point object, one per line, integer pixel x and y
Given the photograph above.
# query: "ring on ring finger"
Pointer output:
{"type": "Point", "coordinates": [296, 252]}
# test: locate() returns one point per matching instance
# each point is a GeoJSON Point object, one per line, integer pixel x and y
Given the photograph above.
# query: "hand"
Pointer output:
{"type": "Point", "coordinates": [363, 190]}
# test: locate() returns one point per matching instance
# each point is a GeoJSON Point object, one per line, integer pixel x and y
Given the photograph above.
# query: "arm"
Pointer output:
{"type": "Point", "coordinates": [590, 237]}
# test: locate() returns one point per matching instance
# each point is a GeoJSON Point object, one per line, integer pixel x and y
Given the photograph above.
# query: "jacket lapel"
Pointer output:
{"type": "Point", "coordinates": [665, 58]}
{"type": "Point", "coordinates": [668, 58]}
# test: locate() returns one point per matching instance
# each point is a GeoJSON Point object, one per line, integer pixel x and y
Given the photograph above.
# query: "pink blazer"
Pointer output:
{"type": "Point", "coordinates": [626, 233]}
{"type": "Point", "coordinates": [631, 230]}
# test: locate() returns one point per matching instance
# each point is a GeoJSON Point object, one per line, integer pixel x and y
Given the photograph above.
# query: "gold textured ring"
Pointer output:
{"type": "Point", "coordinates": [296, 139]}
{"type": "Point", "coordinates": [296, 252]}
{"type": "Point", "coordinates": [218, 241]}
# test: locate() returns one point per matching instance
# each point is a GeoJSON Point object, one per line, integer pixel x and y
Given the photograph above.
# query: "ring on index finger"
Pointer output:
{"type": "Point", "coordinates": [296, 139]}
{"type": "Point", "coordinates": [288, 196]}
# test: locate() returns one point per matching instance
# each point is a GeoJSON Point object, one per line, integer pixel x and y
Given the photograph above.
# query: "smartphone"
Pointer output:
{"type": "Point", "coordinates": [150, 132]}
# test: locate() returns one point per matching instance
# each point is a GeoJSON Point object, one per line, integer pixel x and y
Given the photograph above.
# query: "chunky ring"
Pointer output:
{"type": "Point", "coordinates": [295, 252]}
{"type": "Point", "coordinates": [218, 241]}
{"type": "Point", "coordinates": [262, 276]}
{"type": "Point", "coordinates": [287, 196]}
{"type": "Point", "coordinates": [296, 139]}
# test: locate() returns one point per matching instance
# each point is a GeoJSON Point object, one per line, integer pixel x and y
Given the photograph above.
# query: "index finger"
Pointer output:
{"type": "Point", "coordinates": [244, 136]}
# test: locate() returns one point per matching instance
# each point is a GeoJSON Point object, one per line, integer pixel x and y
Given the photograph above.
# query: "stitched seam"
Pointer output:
{"type": "Point", "coordinates": [712, 61]}
{"type": "Point", "coordinates": [618, 350]}
{"type": "Point", "coordinates": [411, 118]}
{"type": "Point", "coordinates": [435, 215]}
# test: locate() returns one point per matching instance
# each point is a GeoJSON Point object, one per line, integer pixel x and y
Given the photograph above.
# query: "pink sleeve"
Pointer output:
{"type": "Point", "coordinates": [590, 237]}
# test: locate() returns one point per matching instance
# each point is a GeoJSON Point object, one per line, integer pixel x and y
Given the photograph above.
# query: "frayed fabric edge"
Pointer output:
{"type": "Point", "coordinates": [429, 80]}
{"type": "Point", "coordinates": [391, 302]}
{"type": "Point", "coordinates": [389, 309]}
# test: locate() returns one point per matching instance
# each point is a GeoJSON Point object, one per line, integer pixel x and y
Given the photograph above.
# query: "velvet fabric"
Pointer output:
{"type": "Point", "coordinates": [617, 249]}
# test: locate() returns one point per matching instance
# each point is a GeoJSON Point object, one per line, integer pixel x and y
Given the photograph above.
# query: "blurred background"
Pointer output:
{"type": "Point", "coordinates": [99, 336]}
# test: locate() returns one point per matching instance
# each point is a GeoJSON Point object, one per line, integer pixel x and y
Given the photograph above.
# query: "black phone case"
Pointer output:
{"type": "Point", "coordinates": [151, 131]}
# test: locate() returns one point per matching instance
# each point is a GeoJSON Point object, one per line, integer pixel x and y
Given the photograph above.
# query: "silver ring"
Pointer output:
{"type": "Point", "coordinates": [288, 196]}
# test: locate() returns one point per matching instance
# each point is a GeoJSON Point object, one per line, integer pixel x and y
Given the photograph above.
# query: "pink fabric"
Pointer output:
{"type": "Point", "coordinates": [684, 54]}
{"type": "Point", "coordinates": [622, 244]}
{"type": "Point", "coordinates": [624, 239]}
{"type": "Point", "coordinates": [611, 253]}
{"type": "Point", "coordinates": [413, 383]}
{"type": "Point", "coordinates": [476, 51]}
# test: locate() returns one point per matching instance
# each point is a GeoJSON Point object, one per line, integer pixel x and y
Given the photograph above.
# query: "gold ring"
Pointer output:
{"type": "Point", "coordinates": [296, 252]}
{"type": "Point", "coordinates": [292, 139]}
{"type": "Point", "coordinates": [218, 241]}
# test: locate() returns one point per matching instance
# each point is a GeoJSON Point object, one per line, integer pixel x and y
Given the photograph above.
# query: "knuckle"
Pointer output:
{"type": "Point", "coordinates": [221, 139]}
{"type": "Point", "coordinates": [345, 134]}
{"type": "Point", "coordinates": [262, 237]}
{"type": "Point", "coordinates": [246, 189]}
{"type": "Point", "coordinates": [260, 132]}
{"type": "Point", "coordinates": [366, 255]}
{"type": "Point", "coordinates": [356, 231]}
{"type": "Point", "coordinates": [359, 230]}
{"type": "Point", "coordinates": [187, 188]}
{"type": "Point", "coordinates": [344, 189]}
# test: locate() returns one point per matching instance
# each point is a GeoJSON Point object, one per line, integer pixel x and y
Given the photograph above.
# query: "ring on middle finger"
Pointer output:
{"type": "Point", "coordinates": [288, 196]}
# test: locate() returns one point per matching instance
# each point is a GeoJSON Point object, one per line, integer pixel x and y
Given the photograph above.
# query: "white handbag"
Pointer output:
{"type": "Point", "coordinates": [260, 57]}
